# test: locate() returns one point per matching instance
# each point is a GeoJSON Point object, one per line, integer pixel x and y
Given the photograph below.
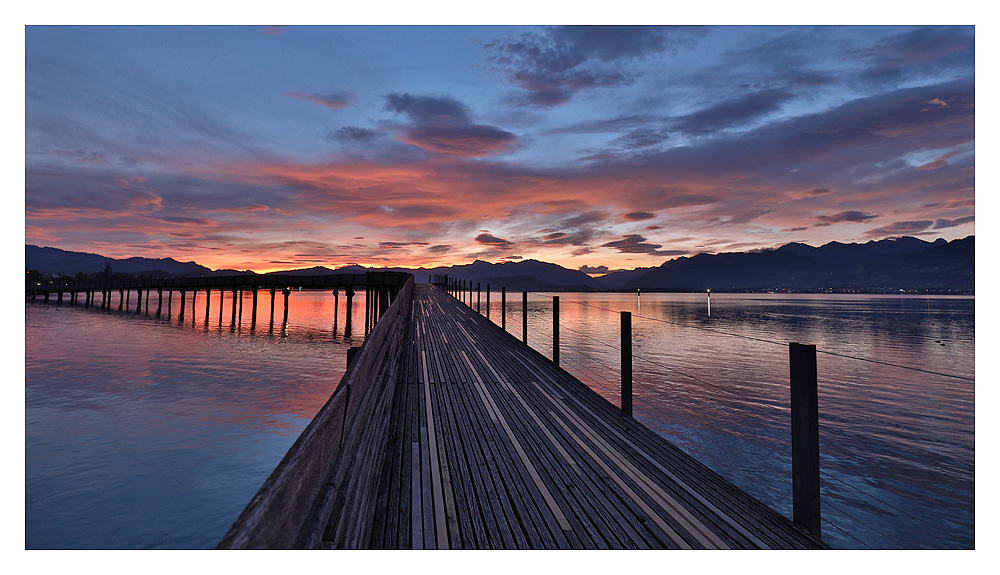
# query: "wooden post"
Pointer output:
{"type": "Point", "coordinates": [138, 303]}
{"type": "Point", "coordinates": [121, 298]}
{"type": "Point", "coordinates": [503, 308]}
{"type": "Point", "coordinates": [253, 313]}
{"type": "Point", "coordinates": [181, 315]}
{"type": "Point", "coordinates": [350, 297]}
{"type": "Point", "coordinates": [194, 304]}
{"type": "Point", "coordinates": [241, 306]}
{"type": "Point", "coordinates": [208, 303]}
{"type": "Point", "coordinates": [232, 324]}
{"type": "Point", "coordinates": [805, 437]}
{"type": "Point", "coordinates": [479, 297]}
{"type": "Point", "coordinates": [524, 317]}
{"type": "Point", "coordinates": [336, 308]}
{"type": "Point", "coordinates": [284, 321]}
{"type": "Point", "coordinates": [159, 301]}
{"type": "Point", "coordinates": [627, 363]}
{"type": "Point", "coordinates": [487, 301]}
{"type": "Point", "coordinates": [383, 301]}
{"type": "Point", "coordinates": [272, 308]}
{"type": "Point", "coordinates": [555, 329]}
{"type": "Point", "coordinates": [368, 303]}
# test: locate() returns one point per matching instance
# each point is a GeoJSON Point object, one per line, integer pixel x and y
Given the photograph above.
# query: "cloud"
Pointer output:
{"type": "Point", "coordinates": [397, 245]}
{"type": "Point", "coordinates": [919, 52]}
{"type": "Point", "coordinates": [494, 242]}
{"type": "Point", "coordinates": [734, 113]}
{"type": "Point", "coordinates": [639, 216]}
{"type": "Point", "coordinates": [594, 269]}
{"type": "Point", "coordinates": [557, 63]}
{"type": "Point", "coordinates": [939, 162]}
{"type": "Point", "coordinates": [900, 228]}
{"type": "Point", "coordinates": [636, 244]}
{"type": "Point", "coordinates": [334, 101]}
{"type": "Point", "coordinates": [442, 125]}
{"type": "Point", "coordinates": [849, 216]}
{"type": "Point", "coordinates": [944, 223]}
{"type": "Point", "coordinates": [935, 102]}
{"type": "Point", "coordinates": [353, 134]}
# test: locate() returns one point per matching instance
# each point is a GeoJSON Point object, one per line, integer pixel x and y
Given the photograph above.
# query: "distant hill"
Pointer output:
{"type": "Point", "coordinates": [890, 264]}
{"type": "Point", "coordinates": [898, 263]}
{"type": "Point", "coordinates": [515, 276]}
{"type": "Point", "coordinates": [54, 261]}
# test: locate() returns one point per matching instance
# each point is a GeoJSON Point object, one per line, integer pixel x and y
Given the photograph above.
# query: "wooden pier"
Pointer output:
{"type": "Point", "coordinates": [447, 432]}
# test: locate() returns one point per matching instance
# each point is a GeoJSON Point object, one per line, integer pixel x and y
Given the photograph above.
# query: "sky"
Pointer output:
{"type": "Point", "coordinates": [594, 147]}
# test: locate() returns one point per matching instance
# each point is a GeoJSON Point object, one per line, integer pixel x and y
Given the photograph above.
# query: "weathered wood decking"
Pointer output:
{"type": "Point", "coordinates": [476, 441]}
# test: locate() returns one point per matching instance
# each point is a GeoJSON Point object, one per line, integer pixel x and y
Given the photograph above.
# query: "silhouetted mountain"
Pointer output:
{"type": "Point", "coordinates": [314, 271]}
{"type": "Point", "coordinates": [620, 279]}
{"type": "Point", "coordinates": [900, 263]}
{"type": "Point", "coordinates": [53, 261]}
{"type": "Point", "coordinates": [549, 277]}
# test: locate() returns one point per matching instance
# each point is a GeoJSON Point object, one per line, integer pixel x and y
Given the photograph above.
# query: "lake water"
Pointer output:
{"type": "Point", "coordinates": [145, 432]}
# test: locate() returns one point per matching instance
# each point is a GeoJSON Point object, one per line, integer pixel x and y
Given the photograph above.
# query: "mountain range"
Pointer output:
{"type": "Point", "coordinates": [890, 264]}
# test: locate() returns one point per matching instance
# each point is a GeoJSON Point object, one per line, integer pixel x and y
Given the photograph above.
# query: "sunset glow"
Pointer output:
{"type": "Point", "coordinates": [596, 148]}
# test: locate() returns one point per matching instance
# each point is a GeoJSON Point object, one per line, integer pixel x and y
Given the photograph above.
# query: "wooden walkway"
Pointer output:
{"type": "Point", "coordinates": [491, 446]}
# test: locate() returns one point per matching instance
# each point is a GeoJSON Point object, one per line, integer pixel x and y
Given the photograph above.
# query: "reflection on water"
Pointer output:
{"type": "Point", "coordinates": [154, 432]}
{"type": "Point", "coordinates": [897, 445]}
{"type": "Point", "coordinates": [146, 432]}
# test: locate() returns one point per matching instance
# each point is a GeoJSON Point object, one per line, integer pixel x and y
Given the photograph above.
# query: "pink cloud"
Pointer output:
{"type": "Point", "coordinates": [331, 101]}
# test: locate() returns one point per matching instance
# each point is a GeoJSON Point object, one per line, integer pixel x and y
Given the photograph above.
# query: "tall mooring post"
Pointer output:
{"type": "Point", "coordinates": [350, 297]}
{"type": "Point", "coordinates": [524, 317]}
{"type": "Point", "coordinates": [627, 363]}
{"type": "Point", "coordinates": [208, 303]}
{"type": "Point", "coordinates": [487, 301]}
{"type": "Point", "coordinates": [272, 308]}
{"type": "Point", "coordinates": [555, 329]}
{"type": "Point", "coordinates": [284, 320]}
{"type": "Point", "coordinates": [253, 313]}
{"type": "Point", "coordinates": [232, 325]}
{"type": "Point", "coordinates": [336, 308]}
{"type": "Point", "coordinates": [159, 301]}
{"type": "Point", "coordinates": [479, 297]}
{"type": "Point", "coordinates": [503, 308]}
{"type": "Point", "coordinates": [805, 437]}
{"type": "Point", "coordinates": [181, 315]}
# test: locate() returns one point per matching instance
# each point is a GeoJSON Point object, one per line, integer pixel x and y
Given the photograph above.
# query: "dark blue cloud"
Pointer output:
{"type": "Point", "coordinates": [920, 52]}
{"type": "Point", "coordinates": [556, 64]}
{"type": "Point", "coordinates": [443, 125]}
{"type": "Point", "coordinates": [735, 112]}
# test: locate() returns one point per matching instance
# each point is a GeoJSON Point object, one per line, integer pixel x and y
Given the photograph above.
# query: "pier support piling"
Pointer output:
{"type": "Point", "coordinates": [805, 437]}
{"type": "Point", "coordinates": [253, 313]}
{"type": "Point", "coordinates": [284, 322]}
{"type": "Point", "coordinates": [524, 316]}
{"type": "Point", "coordinates": [503, 308]}
{"type": "Point", "coordinates": [350, 300]}
{"type": "Point", "coordinates": [555, 329]}
{"type": "Point", "coordinates": [627, 363]}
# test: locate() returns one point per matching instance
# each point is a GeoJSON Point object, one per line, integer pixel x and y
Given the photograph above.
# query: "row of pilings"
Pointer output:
{"type": "Point", "coordinates": [381, 289]}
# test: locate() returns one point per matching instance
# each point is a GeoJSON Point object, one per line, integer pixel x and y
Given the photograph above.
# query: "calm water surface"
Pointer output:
{"type": "Point", "coordinates": [145, 432]}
